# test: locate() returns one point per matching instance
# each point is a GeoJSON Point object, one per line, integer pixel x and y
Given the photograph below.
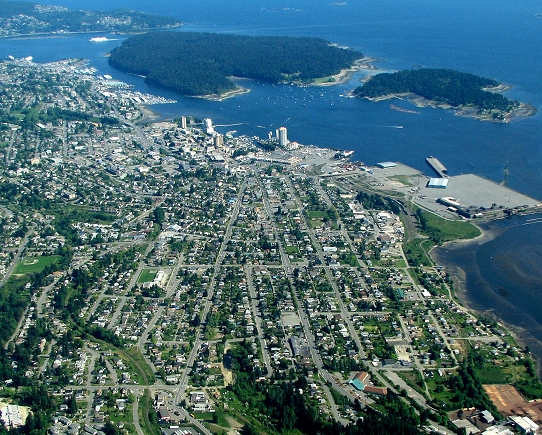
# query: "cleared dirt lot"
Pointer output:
{"type": "Point", "coordinates": [509, 402]}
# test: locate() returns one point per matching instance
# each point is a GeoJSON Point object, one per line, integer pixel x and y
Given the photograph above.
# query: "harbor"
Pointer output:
{"type": "Point", "coordinates": [437, 166]}
{"type": "Point", "coordinates": [477, 196]}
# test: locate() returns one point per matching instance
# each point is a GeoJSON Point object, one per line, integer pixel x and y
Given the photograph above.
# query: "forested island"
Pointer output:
{"type": "Point", "coordinates": [442, 87]}
{"type": "Point", "coordinates": [198, 64]}
{"type": "Point", "coordinates": [28, 18]}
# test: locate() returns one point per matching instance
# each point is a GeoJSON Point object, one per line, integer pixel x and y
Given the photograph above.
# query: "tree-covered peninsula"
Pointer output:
{"type": "Point", "coordinates": [201, 63]}
{"type": "Point", "coordinates": [447, 86]}
{"type": "Point", "coordinates": [28, 18]}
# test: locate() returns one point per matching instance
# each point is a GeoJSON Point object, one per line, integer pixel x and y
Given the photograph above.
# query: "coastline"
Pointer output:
{"type": "Point", "coordinates": [148, 115]}
{"type": "Point", "coordinates": [55, 34]}
{"type": "Point", "coordinates": [524, 109]}
{"type": "Point", "coordinates": [345, 75]}
{"type": "Point", "coordinates": [225, 95]}
{"type": "Point", "coordinates": [482, 297]}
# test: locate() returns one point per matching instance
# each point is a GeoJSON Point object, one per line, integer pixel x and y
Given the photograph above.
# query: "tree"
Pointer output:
{"type": "Point", "coordinates": [159, 215]}
{"type": "Point", "coordinates": [72, 405]}
{"type": "Point", "coordinates": [110, 429]}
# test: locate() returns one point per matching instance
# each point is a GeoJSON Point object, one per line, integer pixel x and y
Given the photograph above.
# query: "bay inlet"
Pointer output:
{"type": "Point", "coordinates": [499, 275]}
{"type": "Point", "coordinates": [502, 274]}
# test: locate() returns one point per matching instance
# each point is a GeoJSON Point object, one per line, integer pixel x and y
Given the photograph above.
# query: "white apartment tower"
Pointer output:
{"type": "Point", "coordinates": [282, 136]}
{"type": "Point", "coordinates": [208, 126]}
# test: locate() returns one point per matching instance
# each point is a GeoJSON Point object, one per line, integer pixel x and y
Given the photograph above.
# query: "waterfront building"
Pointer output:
{"type": "Point", "coordinates": [282, 136]}
{"type": "Point", "coordinates": [208, 126]}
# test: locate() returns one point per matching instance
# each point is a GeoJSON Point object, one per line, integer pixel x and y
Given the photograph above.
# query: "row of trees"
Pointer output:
{"type": "Point", "coordinates": [200, 63]}
{"type": "Point", "coordinates": [468, 388]}
{"type": "Point", "coordinates": [372, 201]}
{"type": "Point", "coordinates": [443, 85]}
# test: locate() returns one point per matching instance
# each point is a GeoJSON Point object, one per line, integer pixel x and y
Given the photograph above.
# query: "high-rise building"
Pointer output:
{"type": "Point", "coordinates": [218, 140]}
{"type": "Point", "coordinates": [282, 136]}
{"type": "Point", "coordinates": [208, 126]}
{"type": "Point", "coordinates": [183, 122]}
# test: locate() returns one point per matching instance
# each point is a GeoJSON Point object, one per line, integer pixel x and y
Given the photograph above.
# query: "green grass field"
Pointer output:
{"type": "Point", "coordinates": [35, 264]}
{"type": "Point", "coordinates": [292, 250]}
{"type": "Point", "coordinates": [452, 230]}
{"type": "Point", "coordinates": [416, 249]}
{"type": "Point", "coordinates": [147, 276]}
{"type": "Point", "coordinates": [400, 263]}
{"type": "Point", "coordinates": [442, 230]}
{"type": "Point", "coordinates": [316, 214]}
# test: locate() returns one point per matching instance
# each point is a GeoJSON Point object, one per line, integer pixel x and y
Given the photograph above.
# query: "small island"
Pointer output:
{"type": "Point", "coordinates": [200, 64]}
{"type": "Point", "coordinates": [473, 95]}
{"type": "Point", "coordinates": [21, 18]}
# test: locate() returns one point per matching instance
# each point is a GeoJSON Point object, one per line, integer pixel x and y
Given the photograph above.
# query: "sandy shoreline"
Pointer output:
{"type": "Point", "coordinates": [149, 115]}
{"type": "Point", "coordinates": [365, 63]}
{"type": "Point", "coordinates": [220, 97]}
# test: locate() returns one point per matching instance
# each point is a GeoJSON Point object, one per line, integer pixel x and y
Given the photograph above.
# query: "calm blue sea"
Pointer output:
{"type": "Point", "coordinates": [498, 39]}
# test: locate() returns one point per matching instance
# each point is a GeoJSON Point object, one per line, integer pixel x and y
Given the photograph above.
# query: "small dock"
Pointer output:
{"type": "Point", "coordinates": [438, 167]}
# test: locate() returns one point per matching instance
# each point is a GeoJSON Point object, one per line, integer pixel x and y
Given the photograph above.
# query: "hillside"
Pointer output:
{"type": "Point", "coordinates": [200, 63]}
{"type": "Point", "coordinates": [27, 18]}
{"type": "Point", "coordinates": [439, 85]}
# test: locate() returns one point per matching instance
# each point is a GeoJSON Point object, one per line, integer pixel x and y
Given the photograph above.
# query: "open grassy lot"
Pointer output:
{"type": "Point", "coordinates": [316, 214]}
{"type": "Point", "coordinates": [147, 276]}
{"type": "Point", "coordinates": [416, 251]}
{"type": "Point", "coordinates": [452, 230]}
{"type": "Point", "coordinates": [35, 264]}
{"type": "Point", "coordinates": [292, 250]}
{"type": "Point", "coordinates": [441, 230]}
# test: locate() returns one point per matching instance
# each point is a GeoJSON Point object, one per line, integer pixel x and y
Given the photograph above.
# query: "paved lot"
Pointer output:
{"type": "Point", "coordinates": [468, 189]}
{"type": "Point", "coordinates": [472, 190]}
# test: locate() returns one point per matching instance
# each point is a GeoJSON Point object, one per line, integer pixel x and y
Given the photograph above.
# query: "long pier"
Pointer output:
{"type": "Point", "coordinates": [438, 167]}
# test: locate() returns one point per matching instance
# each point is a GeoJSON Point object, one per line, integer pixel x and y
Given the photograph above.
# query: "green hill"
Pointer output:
{"type": "Point", "coordinates": [441, 85]}
{"type": "Point", "coordinates": [200, 63]}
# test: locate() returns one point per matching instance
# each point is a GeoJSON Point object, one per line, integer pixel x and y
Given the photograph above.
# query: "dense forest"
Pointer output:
{"type": "Point", "coordinates": [200, 63]}
{"type": "Point", "coordinates": [441, 85]}
{"type": "Point", "coordinates": [22, 17]}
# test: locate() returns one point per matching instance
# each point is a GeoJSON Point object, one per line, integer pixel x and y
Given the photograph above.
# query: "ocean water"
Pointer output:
{"type": "Point", "coordinates": [497, 39]}
{"type": "Point", "coordinates": [502, 274]}
{"type": "Point", "coordinates": [492, 39]}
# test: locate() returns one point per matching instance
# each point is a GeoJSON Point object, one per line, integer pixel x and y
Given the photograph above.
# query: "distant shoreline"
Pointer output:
{"type": "Point", "coordinates": [225, 95]}
{"type": "Point", "coordinates": [86, 32]}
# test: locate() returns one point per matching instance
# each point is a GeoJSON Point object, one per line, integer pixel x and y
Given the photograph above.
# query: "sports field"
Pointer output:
{"type": "Point", "coordinates": [147, 276]}
{"type": "Point", "coordinates": [35, 264]}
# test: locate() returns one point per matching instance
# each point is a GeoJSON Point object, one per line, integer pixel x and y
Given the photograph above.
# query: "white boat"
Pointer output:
{"type": "Point", "coordinates": [98, 39]}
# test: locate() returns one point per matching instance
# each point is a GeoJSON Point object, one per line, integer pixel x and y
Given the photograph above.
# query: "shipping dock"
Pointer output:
{"type": "Point", "coordinates": [438, 167]}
